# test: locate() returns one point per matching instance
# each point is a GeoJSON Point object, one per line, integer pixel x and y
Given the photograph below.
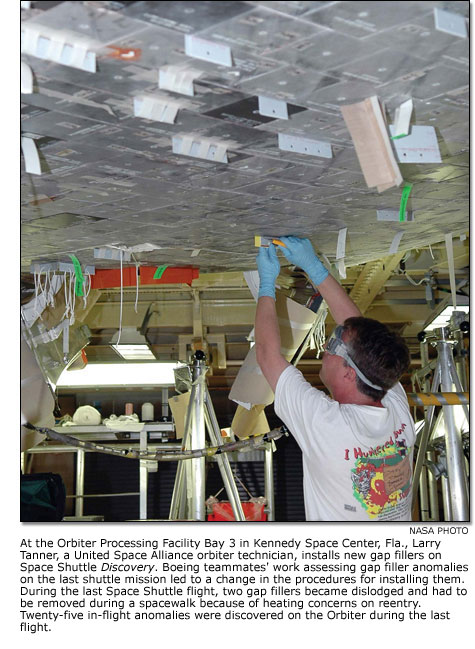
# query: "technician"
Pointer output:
{"type": "Point", "coordinates": [357, 444]}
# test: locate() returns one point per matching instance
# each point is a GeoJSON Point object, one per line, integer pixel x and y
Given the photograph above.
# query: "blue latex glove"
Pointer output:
{"type": "Point", "coordinates": [300, 252]}
{"type": "Point", "coordinates": [268, 266]}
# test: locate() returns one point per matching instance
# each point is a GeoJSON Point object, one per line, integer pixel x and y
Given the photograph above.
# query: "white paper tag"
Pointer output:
{"type": "Point", "coordinates": [32, 158]}
{"type": "Point", "coordinates": [395, 242]}
{"type": "Point", "coordinates": [341, 244]}
{"type": "Point", "coordinates": [247, 406]}
{"type": "Point", "coordinates": [450, 260]}
{"type": "Point", "coordinates": [26, 79]}
{"type": "Point", "coordinates": [402, 118]}
{"type": "Point", "coordinates": [252, 280]}
{"type": "Point", "coordinates": [342, 268]}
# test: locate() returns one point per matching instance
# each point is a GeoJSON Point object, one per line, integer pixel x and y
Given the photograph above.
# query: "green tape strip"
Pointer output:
{"type": "Point", "coordinates": [404, 198]}
{"type": "Point", "coordinates": [159, 272]}
{"type": "Point", "coordinates": [79, 276]}
{"type": "Point", "coordinates": [398, 137]}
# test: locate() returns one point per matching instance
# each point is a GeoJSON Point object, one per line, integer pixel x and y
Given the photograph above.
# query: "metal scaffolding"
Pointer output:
{"type": "Point", "coordinates": [188, 499]}
{"type": "Point", "coordinates": [443, 458]}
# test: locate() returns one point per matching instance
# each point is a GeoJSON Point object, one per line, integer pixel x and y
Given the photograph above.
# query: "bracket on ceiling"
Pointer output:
{"type": "Point", "coordinates": [199, 148]}
{"type": "Point", "coordinates": [199, 48]}
{"type": "Point", "coordinates": [158, 109]}
{"type": "Point", "coordinates": [178, 79]}
{"type": "Point", "coordinates": [450, 23]}
{"type": "Point", "coordinates": [111, 253]}
{"type": "Point", "coordinates": [393, 215]}
{"type": "Point", "coordinates": [66, 48]}
{"type": "Point", "coordinates": [419, 147]}
{"type": "Point", "coordinates": [273, 107]}
{"type": "Point", "coordinates": [304, 145]}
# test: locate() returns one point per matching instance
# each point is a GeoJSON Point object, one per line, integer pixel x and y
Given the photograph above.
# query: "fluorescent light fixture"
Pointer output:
{"type": "Point", "coordinates": [134, 352]}
{"type": "Point", "coordinates": [119, 375]}
{"type": "Point", "coordinates": [132, 345]}
{"type": "Point", "coordinates": [442, 320]}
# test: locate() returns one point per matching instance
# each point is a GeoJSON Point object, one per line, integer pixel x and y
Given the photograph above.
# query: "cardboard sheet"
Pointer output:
{"type": "Point", "coordinates": [249, 422]}
{"type": "Point", "coordinates": [368, 130]}
{"type": "Point", "coordinates": [250, 387]}
{"type": "Point", "coordinates": [179, 405]}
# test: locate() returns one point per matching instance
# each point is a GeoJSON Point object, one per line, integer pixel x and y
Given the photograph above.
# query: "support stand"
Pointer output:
{"type": "Point", "coordinates": [455, 485]}
{"type": "Point", "coordinates": [188, 499]}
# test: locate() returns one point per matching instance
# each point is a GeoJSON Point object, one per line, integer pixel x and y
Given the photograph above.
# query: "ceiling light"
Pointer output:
{"type": "Point", "coordinates": [132, 345]}
{"type": "Point", "coordinates": [96, 375]}
{"type": "Point", "coordinates": [134, 352]}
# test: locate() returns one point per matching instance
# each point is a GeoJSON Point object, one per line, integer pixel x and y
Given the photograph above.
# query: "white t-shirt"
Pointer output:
{"type": "Point", "coordinates": [357, 460]}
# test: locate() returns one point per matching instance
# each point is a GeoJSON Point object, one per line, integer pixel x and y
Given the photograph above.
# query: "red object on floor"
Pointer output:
{"type": "Point", "coordinates": [223, 511]}
{"type": "Point", "coordinates": [171, 275]}
{"type": "Point", "coordinates": [110, 277]}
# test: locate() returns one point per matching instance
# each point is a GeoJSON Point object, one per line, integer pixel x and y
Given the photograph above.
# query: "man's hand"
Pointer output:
{"type": "Point", "coordinates": [268, 266]}
{"type": "Point", "coordinates": [300, 252]}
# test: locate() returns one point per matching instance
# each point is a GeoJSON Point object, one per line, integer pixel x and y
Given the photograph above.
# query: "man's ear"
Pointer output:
{"type": "Point", "coordinates": [350, 374]}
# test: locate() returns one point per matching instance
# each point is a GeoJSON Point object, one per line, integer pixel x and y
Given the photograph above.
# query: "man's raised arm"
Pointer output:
{"type": "Point", "coordinates": [300, 252]}
{"type": "Point", "coordinates": [267, 333]}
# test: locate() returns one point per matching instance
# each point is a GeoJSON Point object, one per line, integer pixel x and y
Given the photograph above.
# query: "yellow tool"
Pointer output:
{"type": "Point", "coordinates": [264, 242]}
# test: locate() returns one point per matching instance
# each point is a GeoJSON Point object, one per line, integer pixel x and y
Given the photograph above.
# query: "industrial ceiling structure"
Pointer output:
{"type": "Point", "coordinates": [151, 136]}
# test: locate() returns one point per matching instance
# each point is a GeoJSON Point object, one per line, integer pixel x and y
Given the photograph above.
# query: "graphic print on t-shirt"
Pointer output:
{"type": "Point", "coordinates": [382, 477]}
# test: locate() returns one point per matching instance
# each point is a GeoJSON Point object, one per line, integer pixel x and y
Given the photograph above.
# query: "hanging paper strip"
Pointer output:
{"type": "Point", "coordinates": [450, 261]}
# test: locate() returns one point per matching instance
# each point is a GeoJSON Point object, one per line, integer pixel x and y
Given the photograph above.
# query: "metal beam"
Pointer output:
{"type": "Point", "coordinates": [105, 315]}
{"type": "Point", "coordinates": [372, 279]}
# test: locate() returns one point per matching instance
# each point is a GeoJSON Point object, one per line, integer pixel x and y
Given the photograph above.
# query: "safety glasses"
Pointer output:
{"type": "Point", "coordinates": [337, 347]}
